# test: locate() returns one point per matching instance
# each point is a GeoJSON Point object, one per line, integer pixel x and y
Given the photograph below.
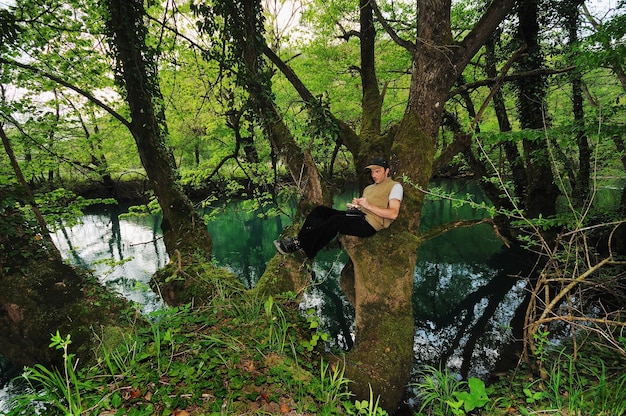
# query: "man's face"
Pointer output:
{"type": "Point", "coordinates": [379, 174]}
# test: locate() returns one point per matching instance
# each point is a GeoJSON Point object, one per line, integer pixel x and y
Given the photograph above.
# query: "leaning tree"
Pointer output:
{"type": "Point", "coordinates": [30, 315]}
{"type": "Point", "coordinates": [135, 66]}
{"type": "Point", "coordinates": [184, 233]}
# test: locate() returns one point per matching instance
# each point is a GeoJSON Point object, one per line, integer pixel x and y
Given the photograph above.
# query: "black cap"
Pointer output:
{"type": "Point", "coordinates": [378, 161]}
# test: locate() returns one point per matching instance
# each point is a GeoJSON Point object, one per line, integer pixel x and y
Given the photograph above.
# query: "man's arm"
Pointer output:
{"type": "Point", "coordinates": [391, 212]}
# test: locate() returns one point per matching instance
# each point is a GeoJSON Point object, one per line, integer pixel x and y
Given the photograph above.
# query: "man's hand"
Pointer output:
{"type": "Point", "coordinates": [361, 202]}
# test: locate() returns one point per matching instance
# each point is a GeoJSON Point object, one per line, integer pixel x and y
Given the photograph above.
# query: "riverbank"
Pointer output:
{"type": "Point", "coordinates": [240, 354]}
{"type": "Point", "coordinates": [236, 354]}
{"type": "Point", "coordinates": [440, 293]}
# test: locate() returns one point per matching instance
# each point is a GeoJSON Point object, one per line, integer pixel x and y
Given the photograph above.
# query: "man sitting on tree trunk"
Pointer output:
{"type": "Point", "coordinates": [375, 210]}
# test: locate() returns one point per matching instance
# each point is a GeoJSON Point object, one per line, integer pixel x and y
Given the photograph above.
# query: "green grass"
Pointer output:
{"type": "Point", "coordinates": [591, 382]}
{"type": "Point", "coordinates": [242, 355]}
{"type": "Point", "coordinates": [235, 355]}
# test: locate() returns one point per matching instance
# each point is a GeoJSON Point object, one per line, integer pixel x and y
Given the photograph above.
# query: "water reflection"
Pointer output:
{"type": "Point", "coordinates": [243, 240]}
{"type": "Point", "coordinates": [122, 252]}
{"type": "Point", "coordinates": [326, 298]}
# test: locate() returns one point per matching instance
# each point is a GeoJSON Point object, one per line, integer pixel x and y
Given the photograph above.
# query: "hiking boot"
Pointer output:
{"type": "Point", "coordinates": [287, 245]}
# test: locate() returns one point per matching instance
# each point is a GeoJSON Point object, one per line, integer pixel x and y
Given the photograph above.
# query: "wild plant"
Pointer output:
{"type": "Point", "coordinates": [435, 389]}
{"type": "Point", "coordinates": [62, 391]}
{"type": "Point", "coordinates": [467, 401]}
{"type": "Point", "coordinates": [365, 407]}
{"type": "Point", "coordinates": [278, 325]}
{"type": "Point", "coordinates": [332, 383]}
{"type": "Point", "coordinates": [442, 393]}
{"type": "Point", "coordinates": [317, 335]}
{"type": "Point", "coordinates": [160, 339]}
{"type": "Point", "coordinates": [572, 390]}
{"type": "Point", "coordinates": [619, 395]}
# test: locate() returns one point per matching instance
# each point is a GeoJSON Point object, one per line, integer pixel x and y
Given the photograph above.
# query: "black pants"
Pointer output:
{"type": "Point", "coordinates": [323, 224]}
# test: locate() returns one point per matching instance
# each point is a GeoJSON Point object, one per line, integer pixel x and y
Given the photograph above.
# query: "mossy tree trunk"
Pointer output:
{"type": "Point", "coordinates": [379, 279]}
{"type": "Point", "coordinates": [382, 288]}
{"type": "Point", "coordinates": [184, 232]}
{"type": "Point", "coordinates": [383, 266]}
{"type": "Point", "coordinates": [284, 273]}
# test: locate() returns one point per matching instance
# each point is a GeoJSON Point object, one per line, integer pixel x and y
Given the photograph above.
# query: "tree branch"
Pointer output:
{"type": "Point", "coordinates": [31, 198]}
{"type": "Point", "coordinates": [615, 66]}
{"type": "Point", "coordinates": [409, 46]}
{"type": "Point", "coordinates": [66, 84]}
{"type": "Point", "coordinates": [348, 135]}
{"type": "Point", "coordinates": [459, 144]}
{"type": "Point", "coordinates": [444, 228]}
{"type": "Point", "coordinates": [471, 44]}
{"type": "Point", "coordinates": [513, 77]}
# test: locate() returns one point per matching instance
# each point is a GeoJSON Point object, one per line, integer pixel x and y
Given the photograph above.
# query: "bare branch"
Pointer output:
{"type": "Point", "coordinates": [444, 228]}
{"type": "Point", "coordinates": [394, 36]}
{"type": "Point", "coordinates": [513, 77]}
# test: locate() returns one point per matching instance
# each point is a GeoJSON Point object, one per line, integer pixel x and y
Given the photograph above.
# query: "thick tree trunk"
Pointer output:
{"type": "Point", "coordinates": [384, 265]}
{"type": "Point", "coordinates": [541, 194]}
{"type": "Point", "coordinates": [381, 289]}
{"type": "Point", "coordinates": [379, 279]}
{"type": "Point", "coordinates": [184, 232]}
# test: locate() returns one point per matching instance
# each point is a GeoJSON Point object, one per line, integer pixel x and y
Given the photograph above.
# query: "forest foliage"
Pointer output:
{"type": "Point", "coordinates": [60, 60]}
{"type": "Point", "coordinates": [537, 116]}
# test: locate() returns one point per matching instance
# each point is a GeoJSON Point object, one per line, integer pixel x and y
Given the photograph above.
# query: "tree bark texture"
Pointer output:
{"type": "Point", "coordinates": [380, 289]}
{"type": "Point", "coordinates": [541, 192]}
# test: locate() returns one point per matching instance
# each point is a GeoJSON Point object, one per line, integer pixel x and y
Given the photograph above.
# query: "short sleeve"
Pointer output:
{"type": "Point", "coordinates": [397, 192]}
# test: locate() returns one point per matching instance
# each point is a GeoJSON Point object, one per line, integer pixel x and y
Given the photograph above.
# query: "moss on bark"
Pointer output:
{"type": "Point", "coordinates": [285, 274]}
{"type": "Point", "coordinates": [381, 292]}
{"type": "Point", "coordinates": [179, 283]}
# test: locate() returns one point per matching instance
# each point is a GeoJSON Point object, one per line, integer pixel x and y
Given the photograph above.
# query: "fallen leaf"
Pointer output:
{"type": "Point", "coordinates": [134, 393]}
{"type": "Point", "coordinates": [284, 408]}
